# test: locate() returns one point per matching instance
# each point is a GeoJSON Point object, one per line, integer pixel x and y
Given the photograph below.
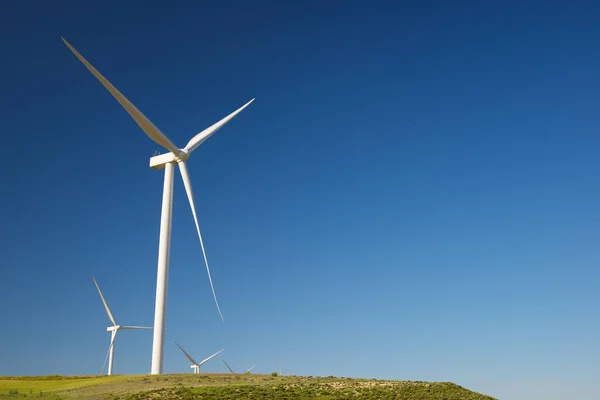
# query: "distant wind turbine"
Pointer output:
{"type": "Point", "coordinates": [113, 329]}
{"type": "Point", "coordinates": [167, 161]}
{"type": "Point", "coordinates": [196, 365]}
{"type": "Point", "coordinates": [233, 372]}
{"type": "Point", "coordinates": [228, 367]}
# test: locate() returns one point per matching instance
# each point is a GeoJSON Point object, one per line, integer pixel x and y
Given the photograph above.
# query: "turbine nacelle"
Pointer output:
{"type": "Point", "coordinates": [113, 328]}
{"type": "Point", "coordinates": [159, 161]}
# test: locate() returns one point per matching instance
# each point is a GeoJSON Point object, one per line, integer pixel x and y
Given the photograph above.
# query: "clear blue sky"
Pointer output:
{"type": "Point", "coordinates": [413, 194]}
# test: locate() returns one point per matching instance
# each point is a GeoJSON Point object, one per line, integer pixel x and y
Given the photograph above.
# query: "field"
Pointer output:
{"type": "Point", "coordinates": [226, 386]}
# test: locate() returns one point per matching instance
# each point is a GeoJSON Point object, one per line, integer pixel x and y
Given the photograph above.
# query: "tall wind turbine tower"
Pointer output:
{"type": "Point", "coordinates": [167, 161]}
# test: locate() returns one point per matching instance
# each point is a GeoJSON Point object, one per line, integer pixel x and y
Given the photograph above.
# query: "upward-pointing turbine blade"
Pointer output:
{"type": "Point", "coordinates": [147, 126]}
{"type": "Point", "coordinates": [104, 302]}
{"type": "Point", "coordinates": [188, 189]}
{"type": "Point", "coordinates": [205, 134]}
{"type": "Point", "coordinates": [249, 369]}
{"type": "Point", "coordinates": [228, 367]}
{"type": "Point", "coordinates": [187, 355]}
{"type": "Point", "coordinates": [208, 358]}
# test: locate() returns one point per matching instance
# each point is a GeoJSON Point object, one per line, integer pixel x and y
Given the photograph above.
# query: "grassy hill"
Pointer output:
{"type": "Point", "coordinates": [226, 386]}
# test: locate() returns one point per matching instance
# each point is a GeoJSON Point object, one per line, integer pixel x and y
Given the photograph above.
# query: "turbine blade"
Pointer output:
{"type": "Point", "coordinates": [104, 302]}
{"type": "Point", "coordinates": [208, 358]}
{"type": "Point", "coordinates": [112, 342]}
{"type": "Point", "coordinates": [188, 189]}
{"type": "Point", "coordinates": [250, 369]}
{"type": "Point", "coordinates": [187, 355]}
{"type": "Point", "coordinates": [228, 367]}
{"type": "Point", "coordinates": [147, 126]}
{"type": "Point", "coordinates": [205, 134]}
{"type": "Point", "coordinates": [136, 327]}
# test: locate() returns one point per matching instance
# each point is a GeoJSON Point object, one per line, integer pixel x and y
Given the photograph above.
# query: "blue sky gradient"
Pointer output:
{"type": "Point", "coordinates": [413, 194]}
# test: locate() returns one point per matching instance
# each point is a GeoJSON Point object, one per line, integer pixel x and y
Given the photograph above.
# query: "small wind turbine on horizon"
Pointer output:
{"type": "Point", "coordinates": [228, 367]}
{"type": "Point", "coordinates": [167, 161]}
{"type": "Point", "coordinates": [113, 330]}
{"type": "Point", "coordinates": [233, 372]}
{"type": "Point", "coordinates": [196, 365]}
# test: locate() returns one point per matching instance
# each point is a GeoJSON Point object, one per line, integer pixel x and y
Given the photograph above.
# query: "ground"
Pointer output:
{"type": "Point", "coordinates": [226, 386]}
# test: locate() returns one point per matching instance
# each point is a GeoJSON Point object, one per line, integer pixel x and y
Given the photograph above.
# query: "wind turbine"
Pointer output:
{"type": "Point", "coordinates": [228, 367]}
{"type": "Point", "coordinates": [167, 161]}
{"type": "Point", "coordinates": [196, 365]}
{"type": "Point", "coordinates": [232, 371]}
{"type": "Point", "coordinates": [113, 331]}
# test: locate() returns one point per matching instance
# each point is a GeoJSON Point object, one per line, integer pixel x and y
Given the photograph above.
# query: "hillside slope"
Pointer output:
{"type": "Point", "coordinates": [229, 386]}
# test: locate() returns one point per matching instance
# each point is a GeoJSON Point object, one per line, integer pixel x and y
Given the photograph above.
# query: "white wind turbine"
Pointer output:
{"type": "Point", "coordinates": [113, 331]}
{"type": "Point", "coordinates": [228, 367]}
{"type": "Point", "coordinates": [196, 365]}
{"type": "Point", "coordinates": [167, 161]}
{"type": "Point", "coordinates": [233, 372]}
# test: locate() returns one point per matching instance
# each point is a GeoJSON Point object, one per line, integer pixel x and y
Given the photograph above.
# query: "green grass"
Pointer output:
{"type": "Point", "coordinates": [52, 383]}
{"type": "Point", "coordinates": [229, 386]}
